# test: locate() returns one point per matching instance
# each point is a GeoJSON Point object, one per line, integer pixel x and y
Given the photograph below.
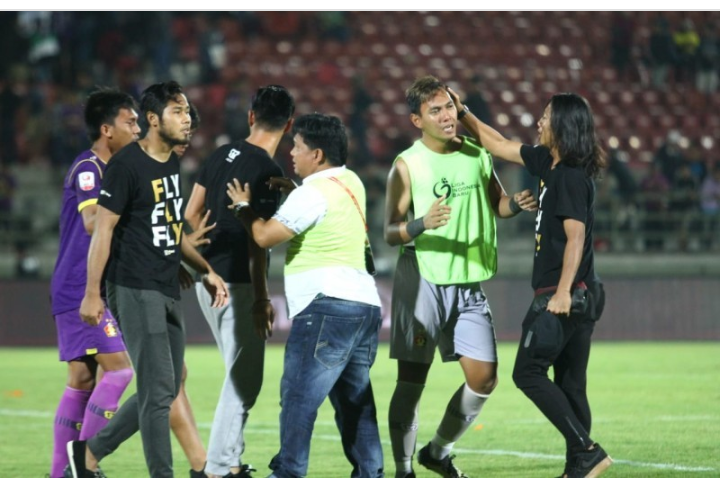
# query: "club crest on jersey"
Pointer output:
{"type": "Point", "coordinates": [231, 156]}
{"type": "Point", "coordinates": [110, 329]}
{"type": "Point", "coordinates": [420, 340]}
{"type": "Point", "coordinates": [86, 181]}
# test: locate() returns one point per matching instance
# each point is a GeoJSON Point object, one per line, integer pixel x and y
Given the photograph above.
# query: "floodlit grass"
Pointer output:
{"type": "Point", "coordinates": [656, 410]}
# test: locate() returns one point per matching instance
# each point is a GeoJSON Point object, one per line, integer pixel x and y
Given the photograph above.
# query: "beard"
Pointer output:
{"type": "Point", "coordinates": [169, 139]}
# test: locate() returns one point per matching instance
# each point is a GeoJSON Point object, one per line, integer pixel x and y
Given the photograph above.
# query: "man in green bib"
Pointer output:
{"type": "Point", "coordinates": [442, 199]}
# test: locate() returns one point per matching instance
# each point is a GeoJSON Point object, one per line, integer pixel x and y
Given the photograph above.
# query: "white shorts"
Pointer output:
{"type": "Point", "coordinates": [454, 318]}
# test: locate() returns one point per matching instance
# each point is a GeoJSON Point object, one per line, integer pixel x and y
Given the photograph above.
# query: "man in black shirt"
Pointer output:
{"type": "Point", "coordinates": [138, 235]}
{"type": "Point", "coordinates": [240, 329]}
{"type": "Point", "coordinates": [569, 297]}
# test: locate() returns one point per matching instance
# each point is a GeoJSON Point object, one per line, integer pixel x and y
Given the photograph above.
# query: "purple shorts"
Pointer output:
{"type": "Point", "coordinates": [77, 339]}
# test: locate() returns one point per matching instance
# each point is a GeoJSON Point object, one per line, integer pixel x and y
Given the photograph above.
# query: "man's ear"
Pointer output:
{"type": "Point", "coordinates": [319, 156]}
{"type": "Point", "coordinates": [106, 130]}
{"type": "Point", "coordinates": [416, 120]}
{"type": "Point", "coordinates": [152, 118]}
{"type": "Point", "coordinates": [251, 118]}
{"type": "Point", "coordinates": [289, 125]}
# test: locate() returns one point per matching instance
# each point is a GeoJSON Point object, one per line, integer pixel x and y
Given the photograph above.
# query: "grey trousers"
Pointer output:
{"type": "Point", "coordinates": [154, 333]}
{"type": "Point", "coordinates": [243, 353]}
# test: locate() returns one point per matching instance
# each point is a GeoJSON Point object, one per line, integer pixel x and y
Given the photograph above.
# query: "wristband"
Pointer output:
{"type": "Point", "coordinates": [514, 206]}
{"type": "Point", "coordinates": [238, 206]}
{"type": "Point", "coordinates": [462, 113]}
{"type": "Point", "coordinates": [415, 228]}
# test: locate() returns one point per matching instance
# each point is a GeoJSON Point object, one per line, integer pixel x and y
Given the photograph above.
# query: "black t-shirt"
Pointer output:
{"type": "Point", "coordinates": [248, 163]}
{"type": "Point", "coordinates": [564, 192]}
{"type": "Point", "coordinates": [145, 251]}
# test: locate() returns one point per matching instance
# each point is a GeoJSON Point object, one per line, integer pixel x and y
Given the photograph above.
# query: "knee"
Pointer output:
{"type": "Point", "coordinates": [80, 378]}
{"type": "Point", "coordinates": [81, 381]}
{"type": "Point", "coordinates": [119, 378]}
{"type": "Point", "coordinates": [483, 385]}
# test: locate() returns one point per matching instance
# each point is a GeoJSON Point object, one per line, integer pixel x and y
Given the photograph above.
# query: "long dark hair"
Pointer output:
{"type": "Point", "coordinates": [574, 137]}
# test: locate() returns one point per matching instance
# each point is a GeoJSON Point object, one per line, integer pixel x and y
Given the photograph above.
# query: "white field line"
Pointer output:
{"type": "Point", "coordinates": [488, 452]}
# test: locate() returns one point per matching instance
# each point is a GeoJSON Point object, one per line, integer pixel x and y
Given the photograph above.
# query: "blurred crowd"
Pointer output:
{"type": "Point", "coordinates": [52, 60]}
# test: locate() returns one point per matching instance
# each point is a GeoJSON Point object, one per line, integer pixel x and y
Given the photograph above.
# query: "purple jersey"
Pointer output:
{"type": "Point", "coordinates": [80, 190]}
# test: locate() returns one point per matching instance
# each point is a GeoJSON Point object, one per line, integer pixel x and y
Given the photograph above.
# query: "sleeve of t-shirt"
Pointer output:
{"type": "Point", "coordinates": [572, 198]}
{"type": "Point", "coordinates": [303, 208]}
{"type": "Point", "coordinates": [87, 181]}
{"type": "Point", "coordinates": [201, 178]}
{"type": "Point", "coordinates": [536, 159]}
{"type": "Point", "coordinates": [117, 187]}
{"type": "Point", "coordinates": [265, 201]}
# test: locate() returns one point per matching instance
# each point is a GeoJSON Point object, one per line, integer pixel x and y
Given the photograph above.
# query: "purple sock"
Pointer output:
{"type": "Point", "coordinates": [68, 420]}
{"type": "Point", "coordinates": [104, 401]}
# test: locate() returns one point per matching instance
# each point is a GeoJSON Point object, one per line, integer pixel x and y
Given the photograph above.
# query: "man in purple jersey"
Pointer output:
{"type": "Point", "coordinates": [87, 405]}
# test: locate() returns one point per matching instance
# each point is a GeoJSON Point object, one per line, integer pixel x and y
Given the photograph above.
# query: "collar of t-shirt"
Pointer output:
{"type": "Point", "coordinates": [334, 172]}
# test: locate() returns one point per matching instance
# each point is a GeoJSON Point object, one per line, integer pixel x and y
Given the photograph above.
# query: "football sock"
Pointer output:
{"type": "Point", "coordinates": [461, 411]}
{"type": "Point", "coordinates": [68, 421]}
{"type": "Point", "coordinates": [403, 424]}
{"type": "Point", "coordinates": [104, 401]}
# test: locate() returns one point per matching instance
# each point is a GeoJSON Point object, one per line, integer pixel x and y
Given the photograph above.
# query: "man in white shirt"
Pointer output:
{"type": "Point", "coordinates": [331, 297]}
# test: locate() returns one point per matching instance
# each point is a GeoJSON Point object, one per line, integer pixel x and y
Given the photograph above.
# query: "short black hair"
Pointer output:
{"type": "Point", "coordinates": [326, 133]}
{"type": "Point", "coordinates": [102, 107]}
{"type": "Point", "coordinates": [422, 90]}
{"type": "Point", "coordinates": [273, 106]}
{"type": "Point", "coordinates": [156, 97]}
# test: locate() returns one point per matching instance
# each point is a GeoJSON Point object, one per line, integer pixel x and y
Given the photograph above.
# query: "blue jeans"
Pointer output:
{"type": "Point", "coordinates": [332, 345]}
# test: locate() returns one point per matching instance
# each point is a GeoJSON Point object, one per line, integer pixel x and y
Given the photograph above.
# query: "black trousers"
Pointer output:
{"type": "Point", "coordinates": [564, 400]}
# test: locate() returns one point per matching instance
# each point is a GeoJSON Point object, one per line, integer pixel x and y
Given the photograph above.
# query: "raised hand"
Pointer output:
{"type": "Point", "coordinates": [238, 192]}
{"type": "Point", "coordinates": [526, 200]}
{"type": "Point", "coordinates": [283, 184]}
{"type": "Point", "coordinates": [438, 215]}
{"type": "Point", "coordinates": [197, 237]}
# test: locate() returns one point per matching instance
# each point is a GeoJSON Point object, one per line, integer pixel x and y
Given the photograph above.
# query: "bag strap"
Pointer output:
{"type": "Point", "coordinates": [336, 180]}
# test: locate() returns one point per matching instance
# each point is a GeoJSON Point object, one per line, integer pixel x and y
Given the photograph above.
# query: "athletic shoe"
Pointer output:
{"type": "Point", "coordinates": [410, 474]}
{"type": "Point", "coordinates": [444, 467]}
{"type": "Point", "coordinates": [76, 458]}
{"type": "Point", "coordinates": [588, 464]}
{"type": "Point", "coordinates": [197, 474]}
{"type": "Point", "coordinates": [244, 472]}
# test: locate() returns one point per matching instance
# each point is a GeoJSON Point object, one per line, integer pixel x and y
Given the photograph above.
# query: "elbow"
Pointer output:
{"type": "Point", "coordinates": [390, 238]}
{"type": "Point", "coordinates": [262, 241]}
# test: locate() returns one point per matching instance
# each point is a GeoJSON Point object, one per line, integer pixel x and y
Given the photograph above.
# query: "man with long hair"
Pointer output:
{"type": "Point", "coordinates": [569, 297]}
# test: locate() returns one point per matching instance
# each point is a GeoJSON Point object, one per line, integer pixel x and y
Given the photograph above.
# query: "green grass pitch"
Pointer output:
{"type": "Point", "coordinates": [656, 409]}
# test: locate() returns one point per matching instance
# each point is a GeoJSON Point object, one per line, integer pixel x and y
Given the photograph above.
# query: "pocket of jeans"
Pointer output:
{"type": "Point", "coordinates": [336, 339]}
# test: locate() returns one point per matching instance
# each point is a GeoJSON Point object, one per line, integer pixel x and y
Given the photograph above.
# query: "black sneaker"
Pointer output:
{"type": "Point", "coordinates": [444, 467]}
{"type": "Point", "coordinates": [588, 464]}
{"type": "Point", "coordinates": [197, 474]}
{"type": "Point", "coordinates": [244, 472]}
{"type": "Point", "coordinates": [410, 474]}
{"type": "Point", "coordinates": [76, 458]}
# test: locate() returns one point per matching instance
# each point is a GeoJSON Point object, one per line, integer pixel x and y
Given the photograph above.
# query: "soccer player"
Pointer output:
{"type": "Point", "coordinates": [87, 404]}
{"type": "Point", "coordinates": [331, 297]}
{"type": "Point", "coordinates": [241, 328]}
{"type": "Point", "coordinates": [140, 223]}
{"type": "Point", "coordinates": [442, 200]}
{"type": "Point", "coordinates": [569, 298]}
